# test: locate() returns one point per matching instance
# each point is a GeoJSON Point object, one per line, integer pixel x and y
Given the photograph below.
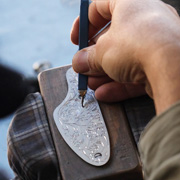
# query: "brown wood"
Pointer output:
{"type": "Point", "coordinates": [124, 162]}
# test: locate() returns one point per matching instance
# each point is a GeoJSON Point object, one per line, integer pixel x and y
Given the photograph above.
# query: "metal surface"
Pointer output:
{"type": "Point", "coordinates": [83, 129]}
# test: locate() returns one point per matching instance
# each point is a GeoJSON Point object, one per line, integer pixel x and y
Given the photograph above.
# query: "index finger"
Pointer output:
{"type": "Point", "coordinates": [100, 13]}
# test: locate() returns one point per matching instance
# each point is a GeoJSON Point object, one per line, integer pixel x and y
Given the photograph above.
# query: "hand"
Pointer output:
{"type": "Point", "coordinates": [106, 89]}
{"type": "Point", "coordinates": [143, 36]}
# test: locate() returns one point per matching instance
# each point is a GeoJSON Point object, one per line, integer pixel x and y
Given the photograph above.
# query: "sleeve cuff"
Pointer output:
{"type": "Point", "coordinates": [159, 145]}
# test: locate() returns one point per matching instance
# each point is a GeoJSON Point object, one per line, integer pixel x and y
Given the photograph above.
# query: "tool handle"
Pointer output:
{"type": "Point", "coordinates": [83, 39]}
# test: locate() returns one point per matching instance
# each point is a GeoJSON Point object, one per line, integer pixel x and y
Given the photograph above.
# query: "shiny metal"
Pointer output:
{"type": "Point", "coordinates": [83, 129]}
{"type": "Point", "coordinates": [82, 93]}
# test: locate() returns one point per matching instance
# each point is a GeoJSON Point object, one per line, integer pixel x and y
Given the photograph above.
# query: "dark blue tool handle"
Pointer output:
{"type": "Point", "coordinates": [83, 39]}
{"type": "Point", "coordinates": [84, 24]}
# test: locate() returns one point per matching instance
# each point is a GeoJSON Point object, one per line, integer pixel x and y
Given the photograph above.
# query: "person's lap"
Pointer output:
{"type": "Point", "coordinates": [31, 152]}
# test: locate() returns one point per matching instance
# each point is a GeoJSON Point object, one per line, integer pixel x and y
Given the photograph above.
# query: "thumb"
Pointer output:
{"type": "Point", "coordinates": [85, 62]}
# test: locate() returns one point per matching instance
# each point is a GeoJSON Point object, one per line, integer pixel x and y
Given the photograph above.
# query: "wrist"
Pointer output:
{"type": "Point", "coordinates": [163, 73]}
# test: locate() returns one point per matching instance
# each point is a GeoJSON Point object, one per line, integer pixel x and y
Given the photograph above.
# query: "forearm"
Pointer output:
{"type": "Point", "coordinates": [163, 73]}
{"type": "Point", "coordinates": [159, 144]}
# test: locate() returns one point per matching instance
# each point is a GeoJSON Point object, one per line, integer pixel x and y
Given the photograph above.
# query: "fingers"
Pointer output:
{"type": "Point", "coordinates": [75, 31]}
{"type": "Point", "coordinates": [99, 15]}
{"type": "Point", "coordinates": [95, 82]}
{"type": "Point", "coordinates": [86, 62]}
{"type": "Point", "coordinates": [115, 92]}
{"type": "Point", "coordinates": [94, 39]}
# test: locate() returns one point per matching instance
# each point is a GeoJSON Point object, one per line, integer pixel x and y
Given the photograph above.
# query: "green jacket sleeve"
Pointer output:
{"type": "Point", "coordinates": [160, 146]}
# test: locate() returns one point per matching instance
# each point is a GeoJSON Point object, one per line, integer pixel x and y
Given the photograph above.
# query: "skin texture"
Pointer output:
{"type": "Point", "coordinates": [138, 53]}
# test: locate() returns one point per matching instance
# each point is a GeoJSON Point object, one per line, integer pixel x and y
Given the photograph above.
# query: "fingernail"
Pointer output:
{"type": "Point", "coordinates": [80, 61]}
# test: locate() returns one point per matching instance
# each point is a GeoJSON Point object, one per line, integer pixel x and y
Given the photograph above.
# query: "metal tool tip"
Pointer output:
{"type": "Point", "coordinates": [82, 101]}
{"type": "Point", "coordinates": [82, 93]}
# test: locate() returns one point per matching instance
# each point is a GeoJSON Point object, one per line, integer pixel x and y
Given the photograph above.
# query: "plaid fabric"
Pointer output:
{"type": "Point", "coordinates": [139, 112]}
{"type": "Point", "coordinates": [31, 152]}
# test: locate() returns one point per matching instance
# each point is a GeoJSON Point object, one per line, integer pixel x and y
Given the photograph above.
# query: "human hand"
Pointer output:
{"type": "Point", "coordinates": [130, 51]}
{"type": "Point", "coordinates": [106, 89]}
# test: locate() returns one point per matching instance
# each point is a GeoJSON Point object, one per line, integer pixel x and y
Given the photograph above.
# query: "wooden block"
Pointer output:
{"type": "Point", "coordinates": [124, 163]}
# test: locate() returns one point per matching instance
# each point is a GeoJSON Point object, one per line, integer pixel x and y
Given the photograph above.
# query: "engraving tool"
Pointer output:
{"type": "Point", "coordinates": [83, 42]}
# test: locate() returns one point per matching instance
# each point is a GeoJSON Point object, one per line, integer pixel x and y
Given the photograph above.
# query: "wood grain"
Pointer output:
{"type": "Point", "coordinates": [124, 162]}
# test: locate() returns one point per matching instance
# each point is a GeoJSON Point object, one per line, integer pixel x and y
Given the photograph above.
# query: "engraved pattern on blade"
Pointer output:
{"type": "Point", "coordinates": [83, 129]}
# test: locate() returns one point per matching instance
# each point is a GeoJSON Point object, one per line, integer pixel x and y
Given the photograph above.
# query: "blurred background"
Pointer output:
{"type": "Point", "coordinates": [33, 31]}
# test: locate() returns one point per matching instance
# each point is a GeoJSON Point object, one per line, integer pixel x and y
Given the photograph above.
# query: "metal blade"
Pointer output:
{"type": "Point", "coordinates": [83, 129]}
